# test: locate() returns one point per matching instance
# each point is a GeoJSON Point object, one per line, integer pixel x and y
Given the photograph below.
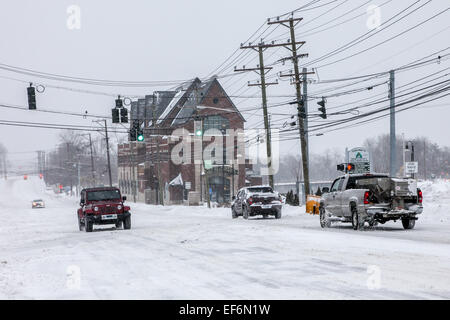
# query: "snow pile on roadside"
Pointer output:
{"type": "Point", "coordinates": [436, 200]}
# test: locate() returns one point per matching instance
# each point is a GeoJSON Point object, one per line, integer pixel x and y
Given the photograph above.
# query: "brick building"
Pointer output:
{"type": "Point", "coordinates": [151, 170]}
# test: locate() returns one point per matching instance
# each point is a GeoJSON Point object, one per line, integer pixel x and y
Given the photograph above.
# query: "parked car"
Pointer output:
{"type": "Point", "coordinates": [38, 203]}
{"type": "Point", "coordinates": [100, 206]}
{"type": "Point", "coordinates": [256, 200]}
{"type": "Point", "coordinates": [372, 198]}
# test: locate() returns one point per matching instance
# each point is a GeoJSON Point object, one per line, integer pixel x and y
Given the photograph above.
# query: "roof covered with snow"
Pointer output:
{"type": "Point", "coordinates": [176, 106]}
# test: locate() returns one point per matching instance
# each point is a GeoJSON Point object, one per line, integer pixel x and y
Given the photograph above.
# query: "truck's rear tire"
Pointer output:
{"type": "Point", "coordinates": [408, 223]}
{"type": "Point", "coordinates": [127, 223]}
{"type": "Point", "coordinates": [88, 226]}
{"type": "Point", "coordinates": [324, 222]}
{"type": "Point", "coordinates": [356, 223]}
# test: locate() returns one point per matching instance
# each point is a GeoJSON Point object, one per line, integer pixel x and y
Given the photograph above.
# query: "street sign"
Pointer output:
{"type": "Point", "coordinates": [187, 185]}
{"type": "Point", "coordinates": [360, 157]}
{"type": "Point", "coordinates": [411, 167]}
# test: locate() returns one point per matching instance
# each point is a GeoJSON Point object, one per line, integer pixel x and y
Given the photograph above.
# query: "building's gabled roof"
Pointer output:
{"type": "Point", "coordinates": [162, 99]}
{"type": "Point", "coordinates": [209, 85]}
{"type": "Point", "coordinates": [171, 105]}
{"type": "Point", "coordinates": [184, 99]}
{"type": "Point", "coordinates": [183, 115]}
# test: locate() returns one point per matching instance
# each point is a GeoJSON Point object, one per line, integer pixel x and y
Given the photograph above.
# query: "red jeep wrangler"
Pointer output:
{"type": "Point", "coordinates": [103, 206]}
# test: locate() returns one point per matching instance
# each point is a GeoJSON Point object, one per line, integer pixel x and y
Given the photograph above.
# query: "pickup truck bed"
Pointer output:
{"type": "Point", "coordinates": [372, 198]}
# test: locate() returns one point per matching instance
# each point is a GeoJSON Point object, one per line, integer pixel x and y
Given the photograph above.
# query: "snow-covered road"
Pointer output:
{"type": "Point", "coordinates": [196, 253]}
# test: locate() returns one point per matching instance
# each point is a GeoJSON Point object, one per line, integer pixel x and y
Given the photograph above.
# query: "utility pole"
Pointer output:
{"type": "Point", "coordinates": [293, 46]}
{"type": "Point", "coordinates": [107, 153]}
{"type": "Point", "coordinates": [412, 156]}
{"type": "Point", "coordinates": [92, 161]}
{"type": "Point", "coordinates": [393, 154]}
{"type": "Point", "coordinates": [305, 105]}
{"type": "Point", "coordinates": [260, 48]}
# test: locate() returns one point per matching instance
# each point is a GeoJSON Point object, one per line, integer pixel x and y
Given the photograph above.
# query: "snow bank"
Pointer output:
{"type": "Point", "coordinates": [436, 200]}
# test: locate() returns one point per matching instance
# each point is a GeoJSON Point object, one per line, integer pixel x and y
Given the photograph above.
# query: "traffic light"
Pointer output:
{"type": "Point", "coordinates": [301, 109]}
{"type": "Point", "coordinates": [134, 130]}
{"type": "Point", "coordinates": [198, 127]}
{"type": "Point", "coordinates": [133, 135]}
{"type": "Point", "coordinates": [322, 108]}
{"type": "Point", "coordinates": [124, 115]}
{"type": "Point", "coordinates": [31, 92]}
{"type": "Point", "coordinates": [119, 103]}
{"type": "Point", "coordinates": [350, 167]}
{"type": "Point", "coordinates": [346, 167]}
{"type": "Point", "coordinates": [115, 115]}
{"type": "Point", "coordinates": [140, 136]}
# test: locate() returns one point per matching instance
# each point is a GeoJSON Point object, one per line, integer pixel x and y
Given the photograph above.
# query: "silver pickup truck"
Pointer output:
{"type": "Point", "coordinates": [372, 198]}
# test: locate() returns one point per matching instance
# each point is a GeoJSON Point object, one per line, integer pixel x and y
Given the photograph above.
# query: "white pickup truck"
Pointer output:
{"type": "Point", "coordinates": [372, 198]}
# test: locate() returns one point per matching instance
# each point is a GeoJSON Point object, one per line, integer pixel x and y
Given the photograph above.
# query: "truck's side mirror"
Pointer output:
{"type": "Point", "coordinates": [325, 190]}
{"type": "Point", "coordinates": [124, 198]}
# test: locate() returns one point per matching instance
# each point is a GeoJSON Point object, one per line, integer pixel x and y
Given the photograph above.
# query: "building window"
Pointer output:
{"type": "Point", "coordinates": [215, 122]}
{"type": "Point", "coordinates": [216, 100]}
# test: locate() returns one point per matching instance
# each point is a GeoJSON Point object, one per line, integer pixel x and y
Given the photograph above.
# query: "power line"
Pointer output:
{"type": "Point", "coordinates": [385, 41]}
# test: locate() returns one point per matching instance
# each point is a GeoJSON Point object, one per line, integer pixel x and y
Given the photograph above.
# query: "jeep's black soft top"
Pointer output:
{"type": "Point", "coordinates": [100, 189]}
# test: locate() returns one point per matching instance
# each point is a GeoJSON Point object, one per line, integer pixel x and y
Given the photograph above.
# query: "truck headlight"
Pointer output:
{"type": "Point", "coordinates": [119, 207]}
{"type": "Point", "coordinates": [95, 209]}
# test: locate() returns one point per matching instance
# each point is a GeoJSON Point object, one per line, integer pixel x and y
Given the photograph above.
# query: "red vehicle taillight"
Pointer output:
{"type": "Point", "coordinates": [250, 200]}
{"type": "Point", "coordinates": [366, 197]}
{"type": "Point", "coordinates": [419, 196]}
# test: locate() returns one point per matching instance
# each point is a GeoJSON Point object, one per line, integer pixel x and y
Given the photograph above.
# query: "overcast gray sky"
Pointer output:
{"type": "Point", "coordinates": [176, 40]}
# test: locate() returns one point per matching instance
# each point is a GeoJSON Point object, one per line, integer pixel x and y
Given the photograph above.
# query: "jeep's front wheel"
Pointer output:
{"type": "Point", "coordinates": [127, 223]}
{"type": "Point", "coordinates": [88, 225]}
{"type": "Point", "coordinates": [119, 224]}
